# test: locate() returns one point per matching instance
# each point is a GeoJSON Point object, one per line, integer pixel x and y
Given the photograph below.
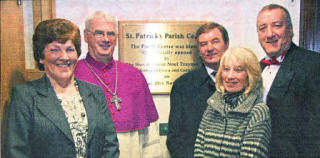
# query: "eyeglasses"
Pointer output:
{"type": "Point", "coordinates": [101, 34]}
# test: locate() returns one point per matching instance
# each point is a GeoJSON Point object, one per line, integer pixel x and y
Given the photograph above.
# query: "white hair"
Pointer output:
{"type": "Point", "coordinates": [99, 14]}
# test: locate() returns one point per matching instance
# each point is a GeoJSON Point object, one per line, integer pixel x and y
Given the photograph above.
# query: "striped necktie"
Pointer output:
{"type": "Point", "coordinates": [213, 73]}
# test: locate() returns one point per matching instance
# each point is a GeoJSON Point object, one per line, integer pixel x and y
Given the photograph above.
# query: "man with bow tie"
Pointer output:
{"type": "Point", "coordinates": [292, 85]}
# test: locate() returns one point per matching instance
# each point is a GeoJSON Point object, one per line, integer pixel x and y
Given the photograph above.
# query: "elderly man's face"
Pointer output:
{"type": "Point", "coordinates": [274, 33]}
{"type": "Point", "coordinates": [101, 39]}
{"type": "Point", "coordinates": [211, 47]}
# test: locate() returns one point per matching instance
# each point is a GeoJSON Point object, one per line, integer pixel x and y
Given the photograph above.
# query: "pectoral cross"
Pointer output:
{"type": "Point", "coordinates": [116, 100]}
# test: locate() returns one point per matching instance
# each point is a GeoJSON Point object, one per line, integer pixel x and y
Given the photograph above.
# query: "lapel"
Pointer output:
{"type": "Point", "coordinates": [88, 100]}
{"type": "Point", "coordinates": [48, 103]}
{"type": "Point", "coordinates": [203, 84]}
{"type": "Point", "coordinates": [284, 76]}
{"type": "Point", "coordinates": [263, 65]}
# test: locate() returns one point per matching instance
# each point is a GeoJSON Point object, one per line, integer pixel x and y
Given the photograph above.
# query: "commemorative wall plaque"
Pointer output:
{"type": "Point", "coordinates": [163, 51]}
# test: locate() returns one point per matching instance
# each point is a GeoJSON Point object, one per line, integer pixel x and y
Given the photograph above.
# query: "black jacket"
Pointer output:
{"type": "Point", "coordinates": [188, 101]}
{"type": "Point", "coordinates": [294, 103]}
{"type": "Point", "coordinates": [37, 126]}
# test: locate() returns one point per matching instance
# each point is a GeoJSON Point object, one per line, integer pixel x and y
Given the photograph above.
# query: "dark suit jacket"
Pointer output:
{"type": "Point", "coordinates": [37, 126]}
{"type": "Point", "coordinates": [188, 100]}
{"type": "Point", "coordinates": [294, 103]}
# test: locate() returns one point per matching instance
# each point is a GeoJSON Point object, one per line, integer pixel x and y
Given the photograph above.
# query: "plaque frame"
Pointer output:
{"type": "Point", "coordinates": [167, 34]}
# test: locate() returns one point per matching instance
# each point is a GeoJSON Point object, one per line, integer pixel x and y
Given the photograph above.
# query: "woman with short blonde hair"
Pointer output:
{"type": "Point", "coordinates": [236, 122]}
{"type": "Point", "coordinates": [249, 62]}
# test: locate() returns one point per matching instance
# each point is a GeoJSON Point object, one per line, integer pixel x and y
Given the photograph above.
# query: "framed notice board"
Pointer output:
{"type": "Point", "coordinates": [162, 50]}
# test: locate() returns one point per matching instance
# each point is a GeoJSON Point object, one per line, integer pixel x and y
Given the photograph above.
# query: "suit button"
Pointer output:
{"type": "Point", "coordinates": [211, 101]}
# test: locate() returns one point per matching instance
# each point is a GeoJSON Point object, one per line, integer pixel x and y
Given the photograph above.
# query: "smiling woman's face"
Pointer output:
{"type": "Point", "coordinates": [59, 60]}
{"type": "Point", "coordinates": [234, 76]}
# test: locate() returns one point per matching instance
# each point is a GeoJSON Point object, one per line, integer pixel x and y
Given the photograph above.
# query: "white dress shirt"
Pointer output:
{"type": "Point", "coordinates": [269, 74]}
{"type": "Point", "coordinates": [209, 70]}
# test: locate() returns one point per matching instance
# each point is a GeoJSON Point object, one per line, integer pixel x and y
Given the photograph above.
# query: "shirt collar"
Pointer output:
{"type": "Point", "coordinates": [209, 71]}
{"type": "Point", "coordinates": [279, 58]}
{"type": "Point", "coordinates": [98, 64]}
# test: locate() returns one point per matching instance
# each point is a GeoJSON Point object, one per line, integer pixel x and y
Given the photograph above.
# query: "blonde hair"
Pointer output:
{"type": "Point", "coordinates": [98, 14]}
{"type": "Point", "coordinates": [249, 62]}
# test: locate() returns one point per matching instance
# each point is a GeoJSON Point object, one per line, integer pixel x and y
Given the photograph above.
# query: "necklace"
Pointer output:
{"type": "Point", "coordinates": [77, 91]}
{"type": "Point", "coordinates": [115, 99]}
{"type": "Point", "coordinates": [75, 113]}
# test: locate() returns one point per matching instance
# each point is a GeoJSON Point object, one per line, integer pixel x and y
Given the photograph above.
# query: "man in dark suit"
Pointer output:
{"type": "Point", "coordinates": [291, 80]}
{"type": "Point", "coordinates": [190, 92]}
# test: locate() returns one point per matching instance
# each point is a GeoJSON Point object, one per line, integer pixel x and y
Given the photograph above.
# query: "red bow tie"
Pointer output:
{"type": "Point", "coordinates": [272, 61]}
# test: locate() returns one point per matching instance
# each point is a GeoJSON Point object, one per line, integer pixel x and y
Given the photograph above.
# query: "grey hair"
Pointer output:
{"type": "Point", "coordinates": [98, 14]}
{"type": "Point", "coordinates": [276, 6]}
